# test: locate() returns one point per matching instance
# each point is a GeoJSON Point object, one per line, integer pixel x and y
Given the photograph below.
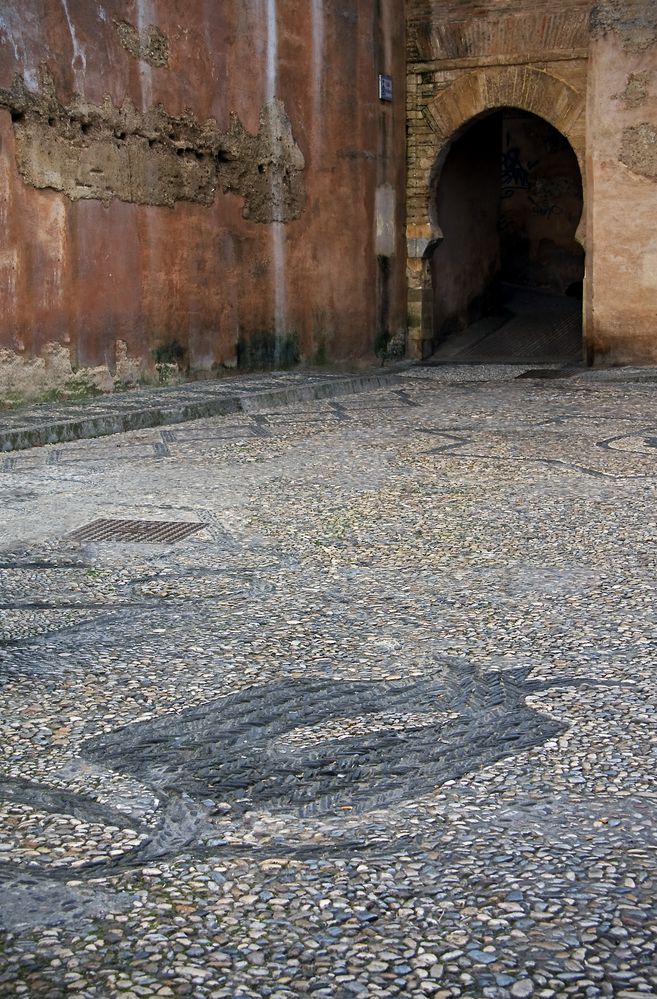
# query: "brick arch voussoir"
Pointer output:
{"type": "Point", "coordinates": [524, 87]}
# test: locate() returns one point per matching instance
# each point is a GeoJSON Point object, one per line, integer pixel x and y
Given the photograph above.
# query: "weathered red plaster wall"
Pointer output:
{"type": "Point", "coordinates": [87, 274]}
{"type": "Point", "coordinates": [622, 178]}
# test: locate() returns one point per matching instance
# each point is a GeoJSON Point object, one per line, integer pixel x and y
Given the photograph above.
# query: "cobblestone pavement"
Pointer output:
{"type": "Point", "coordinates": [382, 724]}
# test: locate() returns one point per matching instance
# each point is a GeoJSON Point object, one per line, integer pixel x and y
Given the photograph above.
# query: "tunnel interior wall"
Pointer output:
{"type": "Point", "coordinates": [540, 206]}
{"type": "Point", "coordinates": [466, 264]}
{"type": "Point", "coordinates": [191, 189]}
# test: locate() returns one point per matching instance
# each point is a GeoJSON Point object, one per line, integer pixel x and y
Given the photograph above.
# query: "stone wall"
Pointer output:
{"type": "Point", "coordinates": [589, 69]}
{"type": "Point", "coordinates": [187, 188]}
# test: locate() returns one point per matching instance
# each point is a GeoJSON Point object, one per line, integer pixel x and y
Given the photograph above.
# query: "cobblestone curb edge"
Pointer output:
{"type": "Point", "coordinates": [180, 406]}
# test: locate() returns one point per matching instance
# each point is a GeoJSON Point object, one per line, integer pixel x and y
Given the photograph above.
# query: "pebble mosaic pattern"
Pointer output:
{"type": "Point", "coordinates": [384, 725]}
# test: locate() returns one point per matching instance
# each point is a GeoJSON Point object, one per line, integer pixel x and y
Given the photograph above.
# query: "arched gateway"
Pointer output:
{"type": "Point", "coordinates": [504, 200]}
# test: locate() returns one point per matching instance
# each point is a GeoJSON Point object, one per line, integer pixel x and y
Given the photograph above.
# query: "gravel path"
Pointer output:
{"type": "Point", "coordinates": [383, 725]}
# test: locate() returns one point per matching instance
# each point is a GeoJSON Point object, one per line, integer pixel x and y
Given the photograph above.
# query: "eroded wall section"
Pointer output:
{"type": "Point", "coordinates": [108, 153]}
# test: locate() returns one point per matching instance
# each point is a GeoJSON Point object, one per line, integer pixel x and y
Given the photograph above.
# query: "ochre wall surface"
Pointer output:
{"type": "Point", "coordinates": [622, 179]}
{"type": "Point", "coordinates": [197, 184]}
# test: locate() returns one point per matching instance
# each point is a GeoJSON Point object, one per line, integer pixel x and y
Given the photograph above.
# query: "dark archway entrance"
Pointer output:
{"type": "Point", "coordinates": [507, 275]}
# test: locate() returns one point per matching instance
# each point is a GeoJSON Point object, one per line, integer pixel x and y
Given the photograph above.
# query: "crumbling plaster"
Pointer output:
{"type": "Point", "coordinates": [633, 21]}
{"type": "Point", "coordinates": [151, 45]}
{"type": "Point", "coordinates": [639, 149]}
{"type": "Point", "coordinates": [153, 158]}
{"type": "Point", "coordinates": [210, 184]}
{"type": "Point", "coordinates": [53, 374]}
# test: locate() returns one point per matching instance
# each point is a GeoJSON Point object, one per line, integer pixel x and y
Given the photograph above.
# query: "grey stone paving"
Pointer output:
{"type": "Point", "coordinates": [383, 725]}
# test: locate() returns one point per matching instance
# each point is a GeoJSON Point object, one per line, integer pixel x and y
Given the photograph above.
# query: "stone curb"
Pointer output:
{"type": "Point", "coordinates": [80, 427]}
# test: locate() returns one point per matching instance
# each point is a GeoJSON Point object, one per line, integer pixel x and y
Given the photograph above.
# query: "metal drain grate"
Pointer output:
{"type": "Point", "coordinates": [152, 532]}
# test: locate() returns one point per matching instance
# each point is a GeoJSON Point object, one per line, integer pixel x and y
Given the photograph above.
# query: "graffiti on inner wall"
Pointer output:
{"type": "Point", "coordinates": [545, 208]}
{"type": "Point", "coordinates": [516, 175]}
{"type": "Point", "coordinates": [524, 176]}
{"type": "Point", "coordinates": [540, 206]}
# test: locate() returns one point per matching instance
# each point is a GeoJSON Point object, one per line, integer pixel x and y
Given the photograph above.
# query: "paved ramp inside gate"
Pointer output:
{"type": "Point", "coordinates": [532, 327]}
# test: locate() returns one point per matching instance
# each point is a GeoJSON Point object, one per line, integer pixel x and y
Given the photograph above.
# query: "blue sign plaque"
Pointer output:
{"type": "Point", "coordinates": [385, 87]}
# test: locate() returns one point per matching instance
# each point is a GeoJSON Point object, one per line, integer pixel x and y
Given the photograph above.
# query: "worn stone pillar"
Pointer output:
{"type": "Point", "coordinates": [421, 242]}
{"type": "Point", "coordinates": [621, 300]}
